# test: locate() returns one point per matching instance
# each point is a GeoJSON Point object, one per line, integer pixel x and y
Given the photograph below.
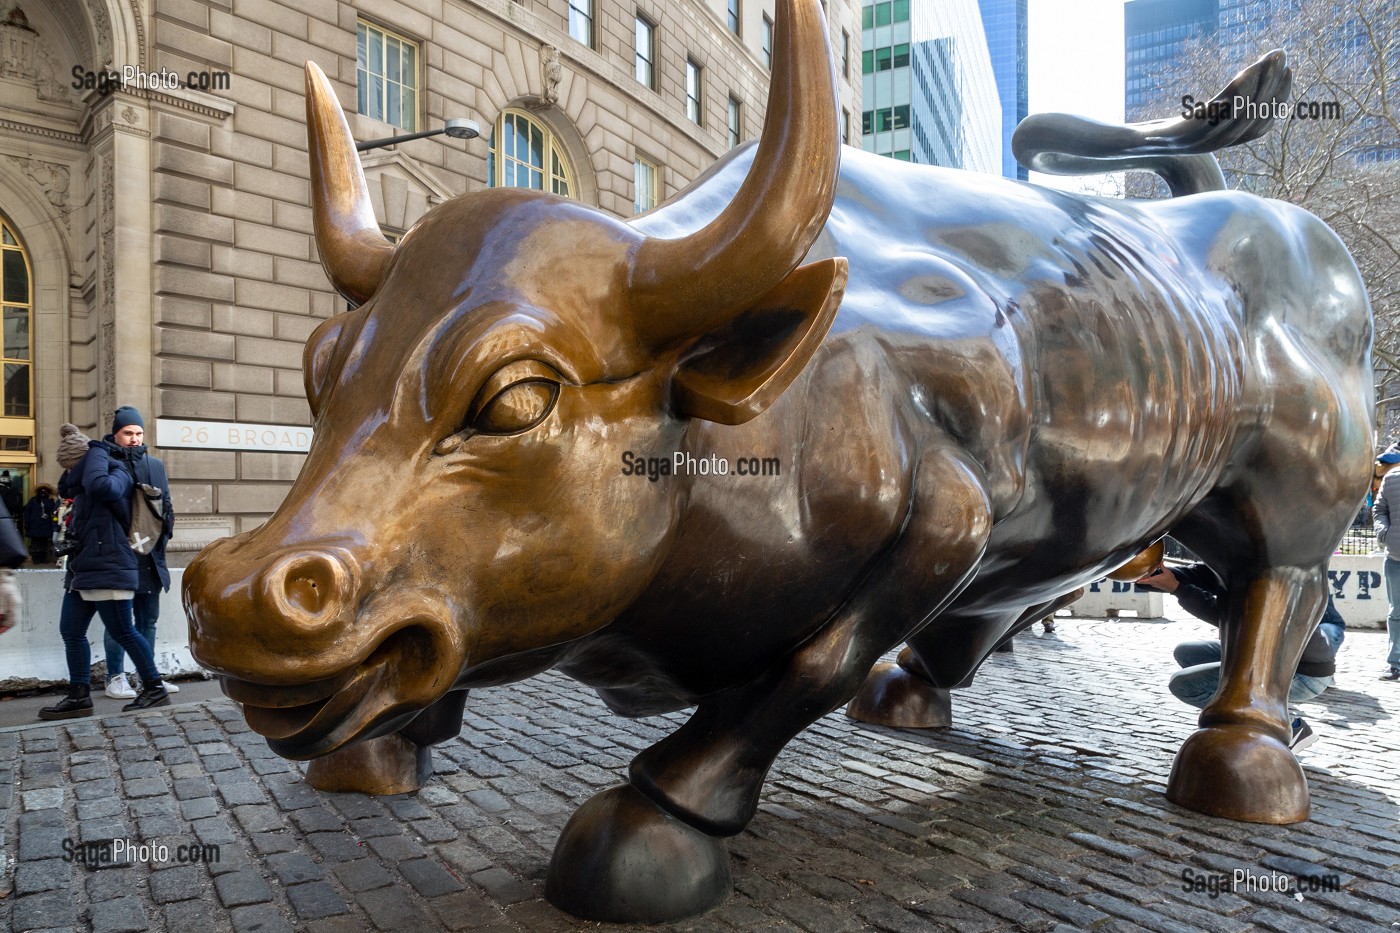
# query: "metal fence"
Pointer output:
{"type": "Point", "coordinates": [1359, 539]}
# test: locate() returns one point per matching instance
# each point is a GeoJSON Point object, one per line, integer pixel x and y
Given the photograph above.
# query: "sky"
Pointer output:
{"type": "Point", "coordinates": [1076, 65]}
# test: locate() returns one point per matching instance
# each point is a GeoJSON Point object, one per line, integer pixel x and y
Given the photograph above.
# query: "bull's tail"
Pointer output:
{"type": "Point", "coordinates": [1178, 150]}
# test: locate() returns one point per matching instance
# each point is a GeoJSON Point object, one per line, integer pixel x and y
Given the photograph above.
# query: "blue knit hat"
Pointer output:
{"type": "Point", "coordinates": [125, 417]}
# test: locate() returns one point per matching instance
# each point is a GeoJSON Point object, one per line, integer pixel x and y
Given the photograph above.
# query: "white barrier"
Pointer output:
{"type": "Point", "coordinates": [1358, 592]}
{"type": "Point", "coordinates": [1109, 599]}
{"type": "Point", "coordinates": [31, 653]}
{"type": "Point", "coordinates": [1358, 589]}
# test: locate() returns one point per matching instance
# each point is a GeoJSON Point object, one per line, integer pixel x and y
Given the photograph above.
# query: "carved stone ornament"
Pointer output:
{"type": "Point", "coordinates": [723, 456]}
{"type": "Point", "coordinates": [52, 179]}
{"type": "Point", "coordinates": [19, 45]}
{"type": "Point", "coordinates": [103, 24]}
{"type": "Point", "coordinates": [25, 55]}
{"type": "Point", "coordinates": [551, 73]}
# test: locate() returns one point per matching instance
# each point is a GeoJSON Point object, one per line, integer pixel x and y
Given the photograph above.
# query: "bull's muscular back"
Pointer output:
{"type": "Point", "coordinates": [1049, 335]}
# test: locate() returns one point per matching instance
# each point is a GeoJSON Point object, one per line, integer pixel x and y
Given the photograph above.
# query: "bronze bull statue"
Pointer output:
{"type": "Point", "coordinates": [1022, 389]}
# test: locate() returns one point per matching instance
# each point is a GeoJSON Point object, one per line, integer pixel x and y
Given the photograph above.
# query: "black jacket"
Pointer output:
{"type": "Point", "coordinates": [100, 486]}
{"type": "Point", "coordinates": [39, 517]}
{"type": "Point", "coordinates": [1201, 592]}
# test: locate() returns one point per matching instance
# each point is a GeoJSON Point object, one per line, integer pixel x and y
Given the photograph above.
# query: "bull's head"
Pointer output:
{"type": "Point", "coordinates": [461, 515]}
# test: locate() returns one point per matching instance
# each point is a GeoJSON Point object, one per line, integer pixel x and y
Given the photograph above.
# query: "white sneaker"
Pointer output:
{"type": "Point", "coordinates": [170, 687]}
{"type": "Point", "coordinates": [119, 689]}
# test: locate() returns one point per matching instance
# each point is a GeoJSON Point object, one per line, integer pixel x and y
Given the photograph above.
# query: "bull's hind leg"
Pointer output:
{"type": "Point", "coordinates": [653, 850]}
{"type": "Point", "coordinates": [1238, 765]}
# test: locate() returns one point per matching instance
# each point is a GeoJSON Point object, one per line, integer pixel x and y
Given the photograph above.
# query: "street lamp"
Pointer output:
{"type": "Point", "coordinates": [457, 129]}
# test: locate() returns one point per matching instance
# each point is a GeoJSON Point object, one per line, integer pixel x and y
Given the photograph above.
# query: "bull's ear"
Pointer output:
{"type": "Point", "coordinates": [741, 369]}
{"type": "Point", "coordinates": [316, 360]}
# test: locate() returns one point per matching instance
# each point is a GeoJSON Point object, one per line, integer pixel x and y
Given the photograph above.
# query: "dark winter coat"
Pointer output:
{"type": "Point", "coordinates": [101, 486]}
{"type": "Point", "coordinates": [40, 517]}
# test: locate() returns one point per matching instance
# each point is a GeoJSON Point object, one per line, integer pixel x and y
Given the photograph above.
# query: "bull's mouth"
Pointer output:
{"type": "Point", "coordinates": [308, 720]}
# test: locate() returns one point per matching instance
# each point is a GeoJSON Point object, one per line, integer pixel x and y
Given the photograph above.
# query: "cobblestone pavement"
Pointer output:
{"type": "Point", "coordinates": [1042, 809]}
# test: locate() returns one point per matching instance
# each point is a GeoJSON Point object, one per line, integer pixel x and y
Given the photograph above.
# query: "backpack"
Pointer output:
{"type": "Point", "coordinates": [147, 518]}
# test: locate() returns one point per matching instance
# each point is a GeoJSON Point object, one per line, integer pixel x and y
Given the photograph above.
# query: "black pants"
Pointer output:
{"type": "Point", "coordinates": [41, 549]}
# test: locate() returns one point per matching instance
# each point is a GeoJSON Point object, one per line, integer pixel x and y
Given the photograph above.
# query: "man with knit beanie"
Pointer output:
{"type": "Point", "coordinates": [103, 574]}
{"type": "Point", "coordinates": [153, 577]}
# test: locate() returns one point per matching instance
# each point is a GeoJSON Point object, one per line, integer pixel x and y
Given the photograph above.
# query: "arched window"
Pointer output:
{"type": "Point", "coordinates": [17, 407]}
{"type": "Point", "coordinates": [525, 154]}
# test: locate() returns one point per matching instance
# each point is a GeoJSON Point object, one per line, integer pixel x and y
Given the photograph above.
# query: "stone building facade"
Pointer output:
{"type": "Point", "coordinates": [158, 246]}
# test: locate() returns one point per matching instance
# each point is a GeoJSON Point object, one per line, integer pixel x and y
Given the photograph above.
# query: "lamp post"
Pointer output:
{"type": "Point", "coordinates": [457, 129]}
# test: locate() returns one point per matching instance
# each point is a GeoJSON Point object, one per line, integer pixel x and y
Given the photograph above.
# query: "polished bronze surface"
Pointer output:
{"type": "Point", "coordinates": [389, 764]}
{"type": "Point", "coordinates": [520, 435]}
{"type": "Point", "coordinates": [1142, 562]}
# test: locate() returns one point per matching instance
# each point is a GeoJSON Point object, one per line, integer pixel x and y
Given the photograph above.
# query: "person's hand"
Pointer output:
{"type": "Point", "coordinates": [1159, 578]}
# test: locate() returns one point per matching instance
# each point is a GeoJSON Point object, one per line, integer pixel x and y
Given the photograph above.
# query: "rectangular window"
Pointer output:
{"type": "Point", "coordinates": [692, 91]}
{"type": "Point", "coordinates": [867, 122]}
{"type": "Point", "coordinates": [845, 53]}
{"type": "Point", "coordinates": [646, 53]}
{"type": "Point", "coordinates": [735, 122]}
{"type": "Point", "coordinates": [882, 58]}
{"type": "Point", "coordinates": [867, 17]}
{"type": "Point", "coordinates": [867, 62]}
{"type": "Point", "coordinates": [901, 55]}
{"type": "Point", "coordinates": [901, 117]}
{"type": "Point", "coordinates": [884, 120]}
{"type": "Point", "coordinates": [734, 19]}
{"type": "Point", "coordinates": [386, 74]}
{"type": "Point", "coordinates": [901, 11]}
{"type": "Point", "coordinates": [882, 14]}
{"type": "Point", "coordinates": [581, 21]}
{"type": "Point", "coordinates": [644, 185]}
{"type": "Point", "coordinates": [845, 125]}
{"type": "Point", "coordinates": [767, 39]}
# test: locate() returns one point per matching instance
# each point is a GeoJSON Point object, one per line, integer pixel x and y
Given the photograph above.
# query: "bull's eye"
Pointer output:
{"type": "Point", "coordinates": [517, 408]}
{"type": "Point", "coordinates": [517, 397]}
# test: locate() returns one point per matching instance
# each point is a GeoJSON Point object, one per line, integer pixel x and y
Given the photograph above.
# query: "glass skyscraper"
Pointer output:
{"type": "Point", "coordinates": [929, 91]}
{"type": "Point", "coordinates": [1155, 32]}
{"type": "Point", "coordinates": [1005, 22]}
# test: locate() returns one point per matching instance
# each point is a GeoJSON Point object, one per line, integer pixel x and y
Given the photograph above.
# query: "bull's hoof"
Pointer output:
{"type": "Point", "coordinates": [389, 764]}
{"type": "Point", "coordinates": [623, 859]}
{"type": "Point", "coordinates": [892, 696]}
{"type": "Point", "coordinates": [1239, 774]}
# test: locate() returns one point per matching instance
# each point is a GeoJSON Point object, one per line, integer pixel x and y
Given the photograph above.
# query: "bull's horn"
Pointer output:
{"type": "Point", "coordinates": [686, 286]}
{"type": "Point", "coordinates": [353, 251]}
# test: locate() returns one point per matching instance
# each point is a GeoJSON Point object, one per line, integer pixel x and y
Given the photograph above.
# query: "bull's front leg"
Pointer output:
{"type": "Point", "coordinates": [1238, 765]}
{"type": "Point", "coordinates": [652, 850]}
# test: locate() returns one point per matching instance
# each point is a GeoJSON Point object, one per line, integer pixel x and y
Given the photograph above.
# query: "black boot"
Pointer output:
{"type": "Point", "coordinates": [77, 703]}
{"type": "Point", "coordinates": [151, 695]}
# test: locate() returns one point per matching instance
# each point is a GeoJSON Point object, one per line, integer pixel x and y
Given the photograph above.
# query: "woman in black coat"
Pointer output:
{"type": "Point", "coordinates": [102, 574]}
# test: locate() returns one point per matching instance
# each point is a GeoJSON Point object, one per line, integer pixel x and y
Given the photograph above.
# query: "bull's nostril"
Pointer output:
{"type": "Point", "coordinates": [309, 586]}
{"type": "Point", "coordinates": [304, 595]}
